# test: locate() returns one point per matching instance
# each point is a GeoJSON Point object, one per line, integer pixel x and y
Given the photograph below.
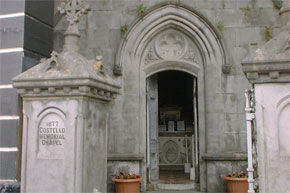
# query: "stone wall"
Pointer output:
{"type": "Point", "coordinates": [237, 22]}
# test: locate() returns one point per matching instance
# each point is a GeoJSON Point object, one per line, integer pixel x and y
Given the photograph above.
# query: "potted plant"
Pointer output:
{"type": "Point", "coordinates": [127, 183]}
{"type": "Point", "coordinates": [237, 182]}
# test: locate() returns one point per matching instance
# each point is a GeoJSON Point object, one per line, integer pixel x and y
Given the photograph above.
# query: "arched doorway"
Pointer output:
{"type": "Point", "coordinates": [169, 37]}
{"type": "Point", "coordinates": [172, 127]}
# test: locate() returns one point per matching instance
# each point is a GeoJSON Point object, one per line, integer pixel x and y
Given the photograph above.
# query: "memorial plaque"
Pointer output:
{"type": "Point", "coordinates": [51, 137]}
{"type": "Point", "coordinates": [171, 125]}
{"type": "Point", "coordinates": [180, 126]}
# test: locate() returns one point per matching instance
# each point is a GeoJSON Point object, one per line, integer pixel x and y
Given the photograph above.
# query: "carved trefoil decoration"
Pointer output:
{"type": "Point", "coordinates": [171, 45]}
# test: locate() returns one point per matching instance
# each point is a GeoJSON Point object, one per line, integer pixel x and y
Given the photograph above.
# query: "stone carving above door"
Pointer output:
{"type": "Point", "coordinates": [171, 45]}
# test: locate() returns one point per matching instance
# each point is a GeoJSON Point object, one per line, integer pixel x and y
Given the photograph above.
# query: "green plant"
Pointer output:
{"type": "Point", "coordinates": [243, 174]}
{"type": "Point", "coordinates": [140, 9]}
{"type": "Point", "coordinates": [268, 33]}
{"type": "Point", "coordinates": [220, 25]}
{"type": "Point", "coordinates": [223, 4]}
{"type": "Point", "coordinates": [122, 176]}
{"type": "Point", "coordinates": [277, 4]}
{"type": "Point", "coordinates": [124, 28]}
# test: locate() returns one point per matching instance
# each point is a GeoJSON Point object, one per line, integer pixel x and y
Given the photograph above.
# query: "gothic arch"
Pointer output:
{"type": "Point", "coordinates": [135, 47]}
{"type": "Point", "coordinates": [171, 15]}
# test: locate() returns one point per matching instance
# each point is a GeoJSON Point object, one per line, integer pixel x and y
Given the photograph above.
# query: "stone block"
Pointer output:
{"type": "Point", "coordinates": [229, 37]}
{"type": "Point", "coordinates": [230, 17]}
{"type": "Point", "coordinates": [232, 142]}
{"type": "Point", "coordinates": [260, 17]}
{"type": "Point", "coordinates": [102, 5]}
{"type": "Point", "coordinates": [8, 133]}
{"type": "Point", "coordinates": [234, 83]}
{"type": "Point", "coordinates": [235, 123]}
{"type": "Point", "coordinates": [230, 103]}
{"type": "Point", "coordinates": [241, 101]}
{"type": "Point", "coordinates": [10, 6]}
{"type": "Point", "coordinates": [11, 32]}
{"type": "Point", "coordinates": [10, 66]}
{"type": "Point", "coordinates": [216, 182]}
{"type": "Point", "coordinates": [216, 100]}
{"type": "Point", "coordinates": [246, 35]}
{"type": "Point", "coordinates": [8, 101]}
{"type": "Point", "coordinates": [239, 53]}
{"type": "Point", "coordinates": [7, 159]}
{"type": "Point", "coordinates": [215, 142]}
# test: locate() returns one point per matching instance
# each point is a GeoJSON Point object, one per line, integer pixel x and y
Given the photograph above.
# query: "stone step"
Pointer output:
{"type": "Point", "coordinates": [185, 186]}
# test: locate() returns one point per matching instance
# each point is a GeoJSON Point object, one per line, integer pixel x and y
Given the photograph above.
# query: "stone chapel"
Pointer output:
{"type": "Point", "coordinates": [92, 88]}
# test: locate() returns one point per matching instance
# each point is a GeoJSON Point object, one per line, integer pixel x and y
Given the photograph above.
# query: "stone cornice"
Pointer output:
{"type": "Point", "coordinates": [67, 88]}
{"type": "Point", "coordinates": [67, 74]}
{"type": "Point", "coordinates": [267, 71]}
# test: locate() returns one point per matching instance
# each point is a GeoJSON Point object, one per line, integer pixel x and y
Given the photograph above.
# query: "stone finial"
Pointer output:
{"type": "Point", "coordinates": [73, 10]}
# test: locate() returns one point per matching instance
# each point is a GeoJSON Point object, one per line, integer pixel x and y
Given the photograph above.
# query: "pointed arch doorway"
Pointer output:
{"type": "Point", "coordinates": [172, 127]}
{"type": "Point", "coordinates": [169, 37]}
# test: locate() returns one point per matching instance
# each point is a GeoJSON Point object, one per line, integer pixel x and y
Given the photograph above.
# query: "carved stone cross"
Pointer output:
{"type": "Point", "coordinates": [73, 10]}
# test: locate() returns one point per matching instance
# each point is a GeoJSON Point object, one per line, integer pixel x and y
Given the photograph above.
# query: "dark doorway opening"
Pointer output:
{"type": "Point", "coordinates": [176, 126]}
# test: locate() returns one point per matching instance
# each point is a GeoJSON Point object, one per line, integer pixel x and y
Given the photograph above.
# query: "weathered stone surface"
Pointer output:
{"type": "Point", "coordinates": [244, 21]}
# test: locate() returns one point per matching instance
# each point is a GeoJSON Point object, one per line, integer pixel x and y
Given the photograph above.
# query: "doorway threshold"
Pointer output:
{"type": "Point", "coordinates": [183, 186]}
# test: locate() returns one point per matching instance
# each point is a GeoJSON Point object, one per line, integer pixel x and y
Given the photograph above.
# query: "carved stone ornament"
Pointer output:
{"type": "Point", "coordinates": [68, 73]}
{"type": "Point", "coordinates": [191, 55]}
{"type": "Point", "coordinates": [73, 10]}
{"type": "Point", "coordinates": [151, 56]}
{"type": "Point", "coordinates": [171, 45]}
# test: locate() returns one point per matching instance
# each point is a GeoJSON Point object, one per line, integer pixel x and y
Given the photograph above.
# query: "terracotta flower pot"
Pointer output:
{"type": "Point", "coordinates": [237, 185]}
{"type": "Point", "coordinates": [127, 185]}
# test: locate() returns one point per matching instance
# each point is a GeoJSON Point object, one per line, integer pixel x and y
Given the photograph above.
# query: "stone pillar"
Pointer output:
{"type": "Point", "coordinates": [65, 118]}
{"type": "Point", "coordinates": [268, 69]}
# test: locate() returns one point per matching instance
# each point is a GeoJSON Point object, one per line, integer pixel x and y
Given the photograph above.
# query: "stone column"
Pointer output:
{"type": "Point", "coordinates": [268, 69]}
{"type": "Point", "coordinates": [65, 118]}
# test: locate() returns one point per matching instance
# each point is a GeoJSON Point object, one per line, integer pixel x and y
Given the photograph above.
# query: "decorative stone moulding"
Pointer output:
{"type": "Point", "coordinates": [271, 62]}
{"type": "Point", "coordinates": [68, 73]}
{"type": "Point", "coordinates": [171, 31]}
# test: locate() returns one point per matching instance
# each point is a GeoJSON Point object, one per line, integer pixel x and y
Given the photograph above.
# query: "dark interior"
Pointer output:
{"type": "Point", "coordinates": [175, 89]}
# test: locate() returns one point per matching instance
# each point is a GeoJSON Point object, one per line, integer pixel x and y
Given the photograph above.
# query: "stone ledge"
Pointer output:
{"type": "Point", "coordinates": [258, 72]}
{"type": "Point", "coordinates": [225, 157]}
{"type": "Point", "coordinates": [125, 157]}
